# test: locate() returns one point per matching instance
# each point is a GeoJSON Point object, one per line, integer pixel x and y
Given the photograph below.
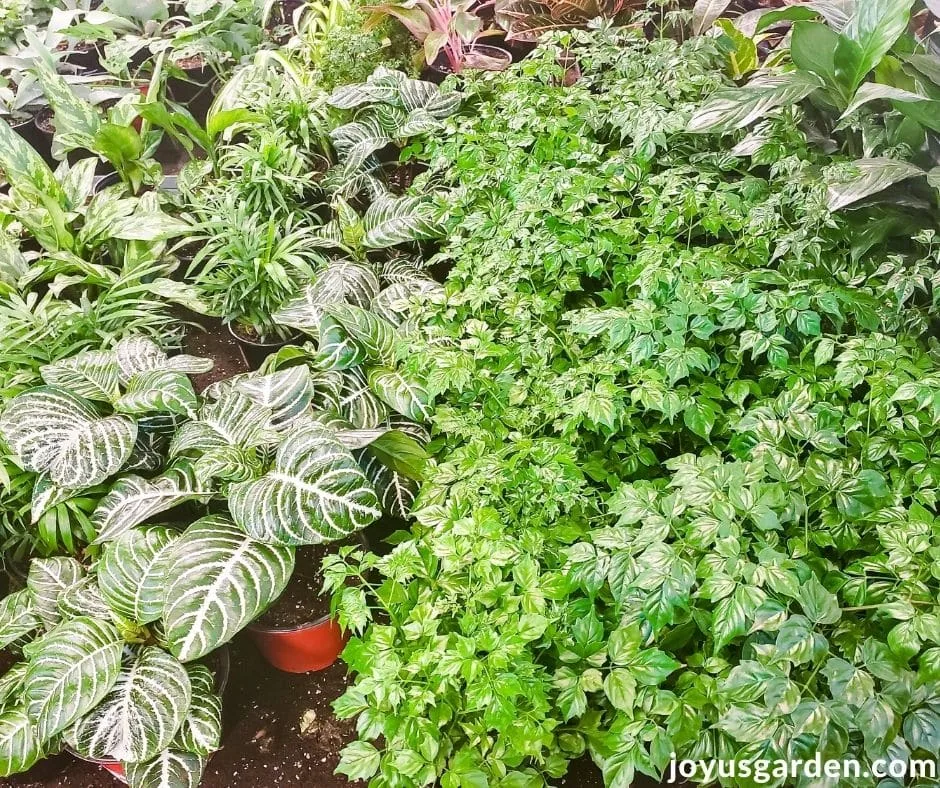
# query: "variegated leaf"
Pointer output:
{"type": "Point", "coordinates": [132, 499]}
{"type": "Point", "coordinates": [342, 281]}
{"type": "Point", "coordinates": [394, 302]}
{"type": "Point", "coordinates": [46, 495]}
{"type": "Point", "coordinates": [20, 748]}
{"type": "Point", "coordinates": [52, 431]}
{"type": "Point", "coordinates": [158, 391]}
{"type": "Point", "coordinates": [408, 397]}
{"type": "Point", "coordinates": [141, 354]}
{"type": "Point", "coordinates": [46, 580]}
{"type": "Point", "coordinates": [201, 731]}
{"type": "Point", "coordinates": [142, 713]}
{"type": "Point", "coordinates": [287, 394]}
{"type": "Point", "coordinates": [337, 350]}
{"type": "Point", "coordinates": [76, 666]}
{"type": "Point", "coordinates": [352, 96]}
{"type": "Point", "coordinates": [92, 375]}
{"type": "Point", "coordinates": [316, 493]}
{"type": "Point", "coordinates": [170, 769]}
{"type": "Point", "coordinates": [233, 420]}
{"type": "Point", "coordinates": [391, 220]}
{"type": "Point", "coordinates": [25, 169]}
{"type": "Point", "coordinates": [228, 464]}
{"type": "Point", "coordinates": [219, 579]}
{"type": "Point", "coordinates": [132, 572]}
{"type": "Point", "coordinates": [355, 142]}
{"type": "Point", "coordinates": [18, 617]}
{"type": "Point", "coordinates": [358, 404]}
{"type": "Point", "coordinates": [396, 492]}
{"type": "Point", "coordinates": [83, 599]}
{"type": "Point", "coordinates": [11, 683]}
{"type": "Point", "coordinates": [372, 333]}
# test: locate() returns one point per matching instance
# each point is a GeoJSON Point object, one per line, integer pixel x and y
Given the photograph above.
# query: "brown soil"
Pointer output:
{"type": "Point", "coordinates": [301, 602]}
{"type": "Point", "coordinates": [192, 63]}
{"type": "Point", "coordinates": [217, 343]}
{"type": "Point", "coordinates": [279, 731]}
{"type": "Point", "coordinates": [45, 120]}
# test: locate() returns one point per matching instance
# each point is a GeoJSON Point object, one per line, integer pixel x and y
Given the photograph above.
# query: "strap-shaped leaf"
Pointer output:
{"type": "Point", "coordinates": [52, 431]}
{"type": "Point", "coordinates": [170, 769]}
{"type": "Point", "coordinates": [287, 394]}
{"type": "Point", "coordinates": [316, 493]}
{"type": "Point", "coordinates": [158, 391]}
{"type": "Point", "coordinates": [132, 499]}
{"type": "Point", "coordinates": [83, 599]}
{"type": "Point", "coordinates": [201, 731]}
{"type": "Point", "coordinates": [20, 748]}
{"type": "Point", "coordinates": [76, 666]}
{"type": "Point", "coordinates": [141, 714]}
{"type": "Point", "coordinates": [408, 397]}
{"type": "Point", "coordinates": [735, 108]}
{"type": "Point", "coordinates": [372, 333]}
{"type": "Point", "coordinates": [392, 220]}
{"type": "Point", "coordinates": [218, 580]}
{"type": "Point", "coordinates": [342, 281]}
{"type": "Point", "coordinates": [132, 572]}
{"type": "Point", "coordinates": [141, 354]}
{"type": "Point", "coordinates": [92, 375]}
{"type": "Point", "coordinates": [47, 579]}
{"type": "Point", "coordinates": [358, 404]}
{"type": "Point", "coordinates": [17, 617]}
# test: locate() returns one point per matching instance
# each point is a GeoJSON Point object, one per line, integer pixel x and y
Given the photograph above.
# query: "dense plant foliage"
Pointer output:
{"type": "Point", "coordinates": [686, 488]}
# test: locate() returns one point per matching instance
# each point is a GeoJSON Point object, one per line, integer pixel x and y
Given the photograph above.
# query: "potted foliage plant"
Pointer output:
{"type": "Point", "coordinates": [451, 32]}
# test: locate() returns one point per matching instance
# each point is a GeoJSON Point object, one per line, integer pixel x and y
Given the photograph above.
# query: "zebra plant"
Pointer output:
{"type": "Point", "coordinates": [389, 108]}
{"type": "Point", "coordinates": [97, 414]}
{"type": "Point", "coordinates": [111, 654]}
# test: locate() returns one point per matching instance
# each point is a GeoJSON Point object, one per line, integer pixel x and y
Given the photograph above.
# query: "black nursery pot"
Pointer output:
{"type": "Point", "coordinates": [84, 55]}
{"type": "Point", "coordinates": [25, 126]}
{"type": "Point", "coordinates": [257, 349]}
{"type": "Point", "coordinates": [195, 88]}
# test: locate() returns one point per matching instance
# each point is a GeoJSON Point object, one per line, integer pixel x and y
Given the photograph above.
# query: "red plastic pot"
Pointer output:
{"type": "Point", "coordinates": [306, 648]}
{"type": "Point", "coordinates": [302, 649]}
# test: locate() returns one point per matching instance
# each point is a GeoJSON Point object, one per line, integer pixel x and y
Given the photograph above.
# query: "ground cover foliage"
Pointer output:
{"type": "Point", "coordinates": [687, 426]}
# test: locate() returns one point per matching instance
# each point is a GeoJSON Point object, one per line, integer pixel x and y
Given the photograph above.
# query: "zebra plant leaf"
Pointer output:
{"type": "Point", "coordinates": [287, 394]}
{"type": "Point", "coordinates": [375, 335]}
{"type": "Point", "coordinates": [48, 578]}
{"type": "Point", "coordinates": [52, 431]}
{"type": "Point", "coordinates": [20, 748]}
{"type": "Point", "coordinates": [316, 493]}
{"type": "Point", "coordinates": [396, 492]}
{"type": "Point", "coordinates": [83, 599]}
{"type": "Point", "coordinates": [355, 142]}
{"type": "Point", "coordinates": [158, 391]}
{"type": "Point", "coordinates": [132, 572]}
{"type": "Point", "coordinates": [18, 617]}
{"type": "Point", "coordinates": [132, 499]}
{"type": "Point", "coordinates": [392, 220]}
{"type": "Point", "coordinates": [407, 397]}
{"type": "Point", "coordinates": [232, 420]}
{"type": "Point", "coordinates": [337, 350]}
{"type": "Point", "coordinates": [92, 375]}
{"type": "Point", "coordinates": [11, 683]}
{"type": "Point", "coordinates": [170, 769]}
{"type": "Point", "coordinates": [201, 731]}
{"type": "Point", "coordinates": [342, 281]}
{"type": "Point", "coordinates": [141, 354]}
{"type": "Point", "coordinates": [75, 667]}
{"type": "Point", "coordinates": [141, 714]}
{"type": "Point", "coordinates": [46, 495]}
{"type": "Point", "coordinates": [358, 404]}
{"type": "Point", "coordinates": [218, 580]}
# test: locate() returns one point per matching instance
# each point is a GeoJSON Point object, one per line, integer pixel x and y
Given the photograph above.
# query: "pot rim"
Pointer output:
{"type": "Point", "coordinates": [261, 629]}
{"type": "Point", "coordinates": [286, 341]}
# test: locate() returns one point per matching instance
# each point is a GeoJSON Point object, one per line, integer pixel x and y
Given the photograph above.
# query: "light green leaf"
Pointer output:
{"type": "Point", "coordinates": [870, 177]}
{"type": "Point", "coordinates": [407, 397]}
{"type": "Point", "coordinates": [359, 761]}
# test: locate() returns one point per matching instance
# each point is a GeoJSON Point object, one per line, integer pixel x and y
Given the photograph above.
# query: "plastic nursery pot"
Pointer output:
{"type": "Point", "coordinates": [256, 348]}
{"type": "Point", "coordinates": [196, 88]}
{"type": "Point", "coordinates": [25, 126]}
{"type": "Point", "coordinates": [83, 54]}
{"type": "Point", "coordinates": [305, 648]}
{"type": "Point", "coordinates": [483, 57]}
{"type": "Point", "coordinates": [222, 665]}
